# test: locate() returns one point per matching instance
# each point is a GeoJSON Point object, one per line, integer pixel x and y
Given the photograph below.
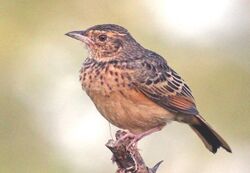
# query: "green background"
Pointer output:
{"type": "Point", "coordinates": [47, 124]}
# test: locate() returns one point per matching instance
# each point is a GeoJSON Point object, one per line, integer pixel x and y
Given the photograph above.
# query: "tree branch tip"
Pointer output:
{"type": "Point", "coordinates": [155, 168]}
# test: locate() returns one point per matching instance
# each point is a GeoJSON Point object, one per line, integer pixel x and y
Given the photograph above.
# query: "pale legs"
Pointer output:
{"type": "Point", "coordinates": [136, 137]}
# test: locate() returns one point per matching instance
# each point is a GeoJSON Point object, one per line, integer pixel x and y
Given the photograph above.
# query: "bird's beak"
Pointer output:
{"type": "Point", "coordinates": [79, 35]}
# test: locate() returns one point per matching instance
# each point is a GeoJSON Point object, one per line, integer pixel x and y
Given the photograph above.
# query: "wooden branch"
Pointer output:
{"type": "Point", "coordinates": [127, 156]}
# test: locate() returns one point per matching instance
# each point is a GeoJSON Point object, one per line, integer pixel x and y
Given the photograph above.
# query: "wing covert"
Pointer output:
{"type": "Point", "coordinates": [164, 86]}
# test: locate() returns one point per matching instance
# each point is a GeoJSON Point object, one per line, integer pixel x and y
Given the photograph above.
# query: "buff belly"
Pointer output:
{"type": "Point", "coordinates": [129, 109]}
{"type": "Point", "coordinates": [123, 106]}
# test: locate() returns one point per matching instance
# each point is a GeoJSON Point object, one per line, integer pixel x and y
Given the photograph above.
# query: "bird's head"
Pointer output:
{"type": "Point", "coordinates": [106, 42]}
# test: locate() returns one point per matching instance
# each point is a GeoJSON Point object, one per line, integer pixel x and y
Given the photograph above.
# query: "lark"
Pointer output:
{"type": "Point", "coordinates": [135, 89]}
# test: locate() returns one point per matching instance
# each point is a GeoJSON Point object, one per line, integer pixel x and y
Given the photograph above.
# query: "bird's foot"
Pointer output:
{"type": "Point", "coordinates": [134, 138]}
{"type": "Point", "coordinates": [124, 135]}
{"type": "Point", "coordinates": [138, 137]}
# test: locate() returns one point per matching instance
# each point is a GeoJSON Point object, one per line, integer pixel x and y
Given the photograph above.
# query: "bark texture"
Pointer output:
{"type": "Point", "coordinates": [127, 156]}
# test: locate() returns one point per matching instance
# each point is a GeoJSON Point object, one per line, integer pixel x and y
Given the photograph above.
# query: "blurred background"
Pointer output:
{"type": "Point", "coordinates": [48, 124]}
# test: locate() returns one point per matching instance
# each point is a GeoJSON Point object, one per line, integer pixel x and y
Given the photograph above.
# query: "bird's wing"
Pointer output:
{"type": "Point", "coordinates": [157, 81]}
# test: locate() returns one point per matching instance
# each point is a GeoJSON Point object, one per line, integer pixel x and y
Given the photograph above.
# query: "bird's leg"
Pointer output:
{"type": "Point", "coordinates": [146, 133]}
{"type": "Point", "coordinates": [139, 136]}
{"type": "Point", "coordinates": [136, 137]}
{"type": "Point", "coordinates": [123, 135]}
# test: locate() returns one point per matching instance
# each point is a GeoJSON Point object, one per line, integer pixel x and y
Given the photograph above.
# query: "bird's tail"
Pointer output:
{"type": "Point", "coordinates": [210, 138]}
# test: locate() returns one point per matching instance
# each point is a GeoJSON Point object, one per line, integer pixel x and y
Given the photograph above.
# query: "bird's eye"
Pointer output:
{"type": "Point", "coordinates": [102, 37]}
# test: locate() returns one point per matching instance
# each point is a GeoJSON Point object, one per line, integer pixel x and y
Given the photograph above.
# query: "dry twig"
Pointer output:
{"type": "Point", "coordinates": [127, 157]}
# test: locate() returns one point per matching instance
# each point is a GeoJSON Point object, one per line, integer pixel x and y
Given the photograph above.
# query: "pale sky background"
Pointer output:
{"type": "Point", "coordinates": [48, 124]}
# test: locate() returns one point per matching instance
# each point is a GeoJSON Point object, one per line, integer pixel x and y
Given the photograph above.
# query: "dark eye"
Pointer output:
{"type": "Point", "coordinates": [102, 37]}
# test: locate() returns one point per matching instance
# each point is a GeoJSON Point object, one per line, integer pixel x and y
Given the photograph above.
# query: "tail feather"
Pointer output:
{"type": "Point", "coordinates": [210, 138]}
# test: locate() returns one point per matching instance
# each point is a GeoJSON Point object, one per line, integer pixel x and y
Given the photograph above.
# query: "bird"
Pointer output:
{"type": "Point", "coordinates": [135, 89]}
